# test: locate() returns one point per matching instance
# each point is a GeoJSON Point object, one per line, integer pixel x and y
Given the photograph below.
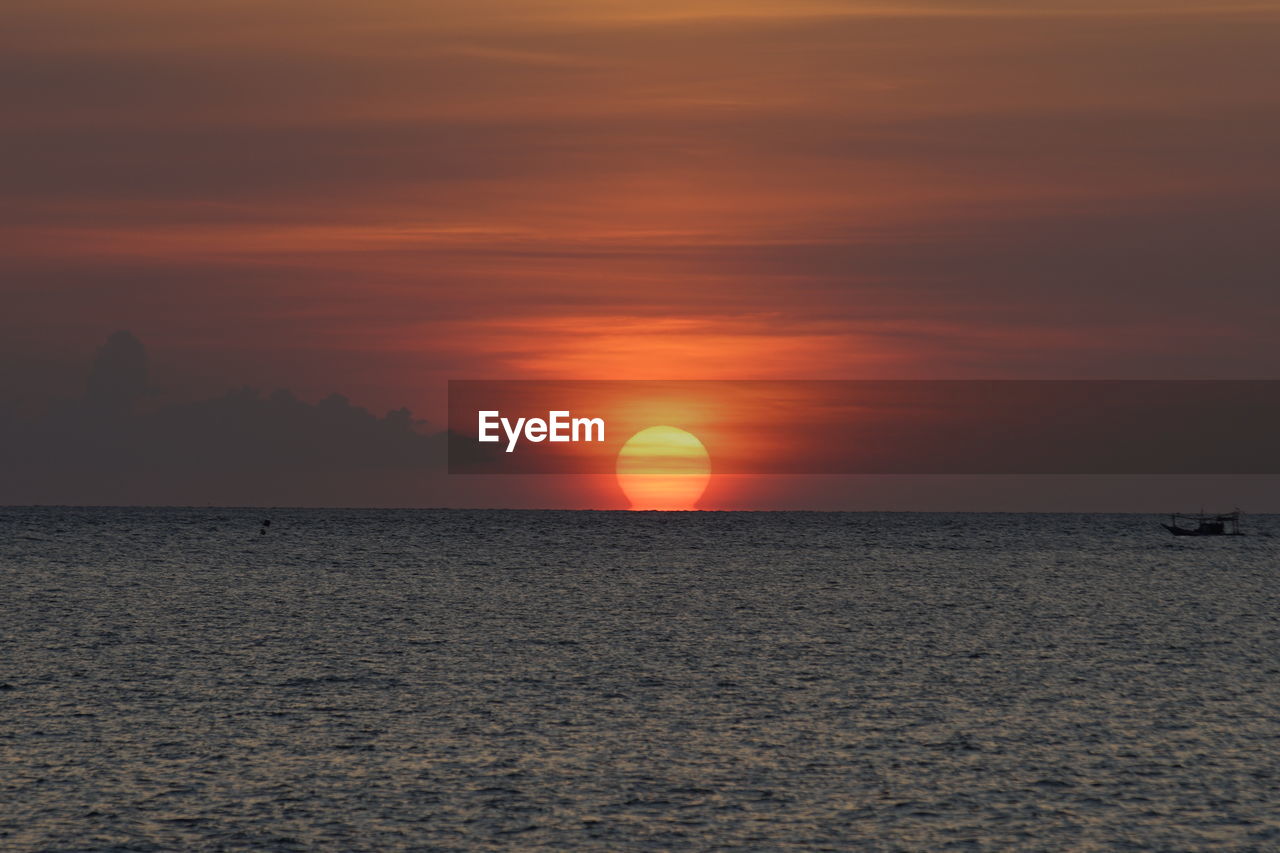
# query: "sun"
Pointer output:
{"type": "Point", "coordinates": [663, 467]}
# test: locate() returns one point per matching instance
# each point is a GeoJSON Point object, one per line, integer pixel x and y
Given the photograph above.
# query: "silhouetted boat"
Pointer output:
{"type": "Point", "coordinates": [1226, 524]}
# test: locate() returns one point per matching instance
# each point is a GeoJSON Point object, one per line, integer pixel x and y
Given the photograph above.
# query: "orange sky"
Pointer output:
{"type": "Point", "coordinates": [372, 198]}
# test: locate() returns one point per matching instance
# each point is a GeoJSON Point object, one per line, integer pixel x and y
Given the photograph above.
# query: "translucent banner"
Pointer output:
{"type": "Point", "coordinates": [866, 427]}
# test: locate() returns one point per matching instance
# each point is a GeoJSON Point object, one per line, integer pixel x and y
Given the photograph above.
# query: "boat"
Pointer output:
{"type": "Point", "coordinates": [1225, 524]}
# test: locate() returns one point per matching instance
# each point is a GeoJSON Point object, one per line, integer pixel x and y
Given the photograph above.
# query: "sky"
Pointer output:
{"type": "Point", "coordinates": [371, 199]}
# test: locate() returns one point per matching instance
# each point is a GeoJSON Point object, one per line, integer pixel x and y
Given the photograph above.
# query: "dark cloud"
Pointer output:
{"type": "Point", "coordinates": [119, 376]}
{"type": "Point", "coordinates": [242, 447]}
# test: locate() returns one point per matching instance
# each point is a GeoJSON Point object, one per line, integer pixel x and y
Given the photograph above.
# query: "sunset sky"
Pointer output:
{"type": "Point", "coordinates": [374, 198]}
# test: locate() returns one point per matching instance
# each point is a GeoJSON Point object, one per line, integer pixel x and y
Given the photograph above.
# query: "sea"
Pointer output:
{"type": "Point", "coordinates": [436, 680]}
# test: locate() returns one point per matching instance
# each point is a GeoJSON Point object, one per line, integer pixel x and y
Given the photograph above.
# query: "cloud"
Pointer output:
{"type": "Point", "coordinates": [379, 199]}
{"type": "Point", "coordinates": [242, 447]}
{"type": "Point", "coordinates": [119, 376]}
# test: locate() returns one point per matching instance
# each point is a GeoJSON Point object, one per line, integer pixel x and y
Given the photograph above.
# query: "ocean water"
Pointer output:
{"type": "Point", "coordinates": [172, 679]}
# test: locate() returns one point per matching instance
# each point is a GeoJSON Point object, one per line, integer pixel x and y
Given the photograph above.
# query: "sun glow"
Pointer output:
{"type": "Point", "coordinates": [663, 467]}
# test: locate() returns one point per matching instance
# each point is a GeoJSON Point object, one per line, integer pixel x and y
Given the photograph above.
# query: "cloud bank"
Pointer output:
{"type": "Point", "coordinates": [116, 445]}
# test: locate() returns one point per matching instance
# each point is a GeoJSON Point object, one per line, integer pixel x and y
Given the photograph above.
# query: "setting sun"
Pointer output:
{"type": "Point", "coordinates": [663, 467]}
